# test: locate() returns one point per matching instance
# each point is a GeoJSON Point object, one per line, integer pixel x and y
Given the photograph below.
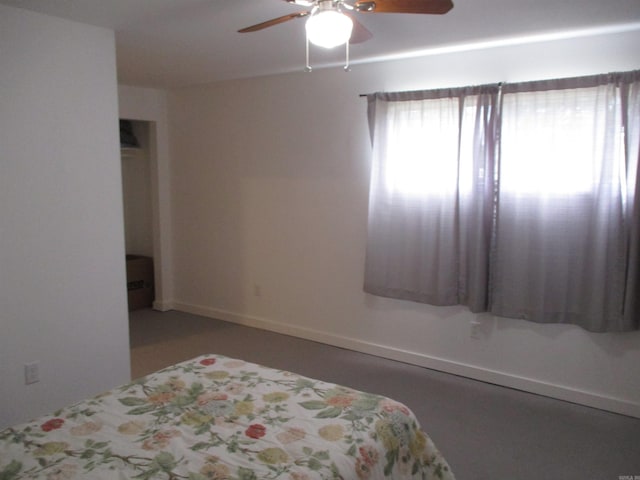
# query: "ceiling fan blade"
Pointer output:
{"type": "Point", "coordinates": [360, 33]}
{"type": "Point", "coordinates": [273, 21]}
{"type": "Point", "coordinates": [404, 6]}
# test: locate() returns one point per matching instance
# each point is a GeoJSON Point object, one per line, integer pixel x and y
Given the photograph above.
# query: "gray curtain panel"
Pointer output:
{"type": "Point", "coordinates": [630, 99]}
{"type": "Point", "coordinates": [520, 200]}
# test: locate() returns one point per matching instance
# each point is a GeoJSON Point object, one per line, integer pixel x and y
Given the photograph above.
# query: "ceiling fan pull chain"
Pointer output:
{"type": "Point", "coordinates": [347, 67]}
{"type": "Point", "coordinates": [308, 67]}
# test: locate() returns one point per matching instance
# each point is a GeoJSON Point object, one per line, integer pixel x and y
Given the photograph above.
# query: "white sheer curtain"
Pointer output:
{"type": "Point", "coordinates": [430, 209]}
{"type": "Point", "coordinates": [520, 200]}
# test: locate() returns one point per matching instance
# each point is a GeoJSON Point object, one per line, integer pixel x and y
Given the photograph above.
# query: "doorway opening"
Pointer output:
{"type": "Point", "coordinates": [137, 156]}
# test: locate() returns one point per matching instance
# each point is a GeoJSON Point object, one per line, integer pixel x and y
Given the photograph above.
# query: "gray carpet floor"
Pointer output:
{"type": "Point", "coordinates": [484, 431]}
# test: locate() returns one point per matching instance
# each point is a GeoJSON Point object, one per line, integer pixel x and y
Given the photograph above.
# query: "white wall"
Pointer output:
{"type": "Point", "coordinates": [270, 191]}
{"type": "Point", "coordinates": [150, 105]}
{"type": "Point", "coordinates": [62, 270]}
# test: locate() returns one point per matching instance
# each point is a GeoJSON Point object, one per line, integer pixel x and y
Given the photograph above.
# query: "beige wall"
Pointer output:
{"type": "Point", "coordinates": [62, 270]}
{"type": "Point", "coordinates": [269, 201]}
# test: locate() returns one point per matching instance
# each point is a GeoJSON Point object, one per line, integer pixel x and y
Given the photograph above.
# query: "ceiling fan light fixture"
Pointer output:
{"type": "Point", "coordinates": [329, 28]}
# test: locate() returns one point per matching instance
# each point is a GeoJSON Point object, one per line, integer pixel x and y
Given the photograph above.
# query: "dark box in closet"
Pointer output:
{"type": "Point", "coordinates": [139, 281]}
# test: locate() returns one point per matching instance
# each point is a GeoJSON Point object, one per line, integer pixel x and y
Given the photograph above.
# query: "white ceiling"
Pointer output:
{"type": "Point", "coordinates": [168, 43]}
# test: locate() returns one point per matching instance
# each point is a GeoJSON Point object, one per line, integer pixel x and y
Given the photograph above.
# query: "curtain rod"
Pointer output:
{"type": "Point", "coordinates": [500, 84]}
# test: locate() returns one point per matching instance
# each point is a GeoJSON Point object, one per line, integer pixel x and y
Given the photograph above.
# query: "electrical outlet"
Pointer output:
{"type": "Point", "coordinates": [257, 290]}
{"type": "Point", "coordinates": [475, 329]}
{"type": "Point", "coordinates": [31, 373]}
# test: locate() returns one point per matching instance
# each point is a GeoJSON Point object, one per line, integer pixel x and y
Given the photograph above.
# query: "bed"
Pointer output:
{"type": "Point", "coordinates": [215, 417]}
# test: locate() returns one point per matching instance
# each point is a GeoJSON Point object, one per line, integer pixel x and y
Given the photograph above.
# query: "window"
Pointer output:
{"type": "Point", "coordinates": [423, 148]}
{"type": "Point", "coordinates": [556, 131]}
{"type": "Point", "coordinates": [516, 199]}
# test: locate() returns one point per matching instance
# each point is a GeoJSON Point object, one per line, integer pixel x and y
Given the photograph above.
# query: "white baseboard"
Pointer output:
{"type": "Point", "coordinates": [559, 392]}
{"type": "Point", "coordinates": [163, 306]}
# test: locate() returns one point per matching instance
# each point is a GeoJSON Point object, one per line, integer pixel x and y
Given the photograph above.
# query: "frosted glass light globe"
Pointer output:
{"type": "Point", "coordinates": [329, 28]}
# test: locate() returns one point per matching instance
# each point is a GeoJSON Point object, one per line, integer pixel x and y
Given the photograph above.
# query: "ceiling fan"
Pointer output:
{"type": "Point", "coordinates": [332, 22]}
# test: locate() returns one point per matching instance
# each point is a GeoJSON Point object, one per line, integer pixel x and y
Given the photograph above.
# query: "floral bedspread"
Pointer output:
{"type": "Point", "coordinates": [219, 418]}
